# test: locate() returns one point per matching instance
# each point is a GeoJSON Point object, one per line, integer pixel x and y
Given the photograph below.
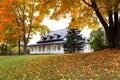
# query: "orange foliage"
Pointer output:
{"type": "Point", "coordinates": [8, 26]}
{"type": "Point", "coordinates": [101, 65]}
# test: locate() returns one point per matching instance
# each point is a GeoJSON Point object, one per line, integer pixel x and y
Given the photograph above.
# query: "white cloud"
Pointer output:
{"type": "Point", "coordinates": [86, 32]}
{"type": "Point", "coordinates": [56, 25]}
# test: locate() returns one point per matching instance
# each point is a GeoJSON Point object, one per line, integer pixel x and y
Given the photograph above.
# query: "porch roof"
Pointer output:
{"type": "Point", "coordinates": [47, 43]}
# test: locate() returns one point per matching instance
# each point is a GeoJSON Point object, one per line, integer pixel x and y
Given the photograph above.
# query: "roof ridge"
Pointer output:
{"type": "Point", "coordinates": [57, 30]}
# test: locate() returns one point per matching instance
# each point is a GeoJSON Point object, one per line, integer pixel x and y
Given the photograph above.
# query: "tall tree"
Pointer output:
{"type": "Point", "coordinates": [74, 41]}
{"type": "Point", "coordinates": [92, 13]}
{"type": "Point", "coordinates": [22, 17]}
{"type": "Point", "coordinates": [31, 14]}
{"type": "Point", "coordinates": [9, 30]}
{"type": "Point", "coordinates": [97, 39]}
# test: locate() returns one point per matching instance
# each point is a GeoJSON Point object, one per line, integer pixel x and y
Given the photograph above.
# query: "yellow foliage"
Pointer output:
{"type": "Point", "coordinates": [19, 18]}
{"type": "Point", "coordinates": [84, 11]}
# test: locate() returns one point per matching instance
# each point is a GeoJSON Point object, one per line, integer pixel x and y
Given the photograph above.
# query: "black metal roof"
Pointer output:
{"type": "Point", "coordinates": [55, 42]}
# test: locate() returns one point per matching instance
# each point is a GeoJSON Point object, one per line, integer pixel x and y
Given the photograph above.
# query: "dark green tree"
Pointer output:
{"type": "Point", "coordinates": [97, 39]}
{"type": "Point", "coordinates": [74, 41]}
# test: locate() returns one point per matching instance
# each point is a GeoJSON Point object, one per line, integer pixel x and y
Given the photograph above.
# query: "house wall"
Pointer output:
{"type": "Point", "coordinates": [47, 48]}
{"type": "Point", "coordinates": [87, 48]}
{"type": "Point", "coordinates": [54, 49]}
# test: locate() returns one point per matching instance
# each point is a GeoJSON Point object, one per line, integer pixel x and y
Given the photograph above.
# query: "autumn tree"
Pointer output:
{"type": "Point", "coordinates": [24, 14]}
{"type": "Point", "coordinates": [92, 13]}
{"type": "Point", "coordinates": [31, 14]}
{"type": "Point", "coordinates": [10, 32]}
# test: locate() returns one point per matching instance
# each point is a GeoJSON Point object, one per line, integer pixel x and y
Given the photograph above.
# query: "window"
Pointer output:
{"type": "Point", "coordinates": [32, 49]}
{"type": "Point", "coordinates": [53, 47]}
{"type": "Point", "coordinates": [48, 37]}
{"type": "Point", "coordinates": [43, 47]}
{"type": "Point", "coordinates": [58, 47]}
{"type": "Point", "coordinates": [39, 48]}
{"type": "Point", "coordinates": [42, 38]}
{"type": "Point", "coordinates": [55, 36]}
{"type": "Point", "coordinates": [49, 47]}
{"type": "Point", "coordinates": [36, 48]}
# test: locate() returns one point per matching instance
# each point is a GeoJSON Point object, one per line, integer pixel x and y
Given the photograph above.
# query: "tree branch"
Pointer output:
{"type": "Point", "coordinates": [29, 30]}
{"type": "Point", "coordinates": [18, 11]}
{"type": "Point", "coordinates": [116, 14]}
{"type": "Point", "coordinates": [100, 17]}
{"type": "Point", "coordinates": [110, 19]}
{"type": "Point", "coordinates": [87, 3]}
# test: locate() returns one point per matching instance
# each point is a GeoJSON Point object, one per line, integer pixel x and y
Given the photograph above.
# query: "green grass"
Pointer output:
{"type": "Point", "coordinates": [102, 65]}
{"type": "Point", "coordinates": [8, 61]}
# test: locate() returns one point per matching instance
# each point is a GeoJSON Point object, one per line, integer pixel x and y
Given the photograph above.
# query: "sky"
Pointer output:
{"type": "Point", "coordinates": [57, 25]}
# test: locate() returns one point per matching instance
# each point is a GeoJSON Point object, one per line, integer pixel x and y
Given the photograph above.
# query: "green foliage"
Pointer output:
{"type": "Point", "coordinates": [14, 50]}
{"type": "Point", "coordinates": [4, 49]}
{"type": "Point", "coordinates": [74, 41]}
{"type": "Point", "coordinates": [9, 49]}
{"type": "Point", "coordinates": [97, 39]}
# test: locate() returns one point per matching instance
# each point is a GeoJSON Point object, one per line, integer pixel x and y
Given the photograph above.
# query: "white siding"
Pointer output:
{"type": "Point", "coordinates": [54, 48]}
{"type": "Point", "coordinates": [50, 48]}
{"type": "Point", "coordinates": [87, 48]}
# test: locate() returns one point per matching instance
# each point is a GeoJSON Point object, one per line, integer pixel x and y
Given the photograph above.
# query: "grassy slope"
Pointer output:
{"type": "Point", "coordinates": [7, 61]}
{"type": "Point", "coordinates": [102, 65]}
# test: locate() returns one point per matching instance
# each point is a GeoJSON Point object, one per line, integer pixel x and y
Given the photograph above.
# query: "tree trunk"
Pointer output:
{"type": "Point", "coordinates": [117, 41]}
{"type": "Point", "coordinates": [2, 49]}
{"type": "Point", "coordinates": [5, 50]}
{"type": "Point", "coordinates": [109, 38]}
{"type": "Point", "coordinates": [113, 37]}
{"type": "Point", "coordinates": [19, 51]}
{"type": "Point", "coordinates": [117, 29]}
{"type": "Point", "coordinates": [25, 45]}
{"type": "Point", "coordinates": [113, 28]}
{"type": "Point", "coordinates": [117, 37]}
{"type": "Point", "coordinates": [25, 49]}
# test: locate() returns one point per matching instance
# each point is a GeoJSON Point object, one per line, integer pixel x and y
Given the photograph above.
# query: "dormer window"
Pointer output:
{"type": "Point", "coordinates": [49, 37]}
{"type": "Point", "coordinates": [43, 38]}
{"type": "Point", "coordinates": [56, 36]}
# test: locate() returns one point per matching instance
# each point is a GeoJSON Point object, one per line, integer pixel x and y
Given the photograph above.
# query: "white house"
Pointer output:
{"type": "Point", "coordinates": [51, 43]}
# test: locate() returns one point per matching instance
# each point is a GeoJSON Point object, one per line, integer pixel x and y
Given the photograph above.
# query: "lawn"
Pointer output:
{"type": "Point", "coordinates": [101, 65]}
